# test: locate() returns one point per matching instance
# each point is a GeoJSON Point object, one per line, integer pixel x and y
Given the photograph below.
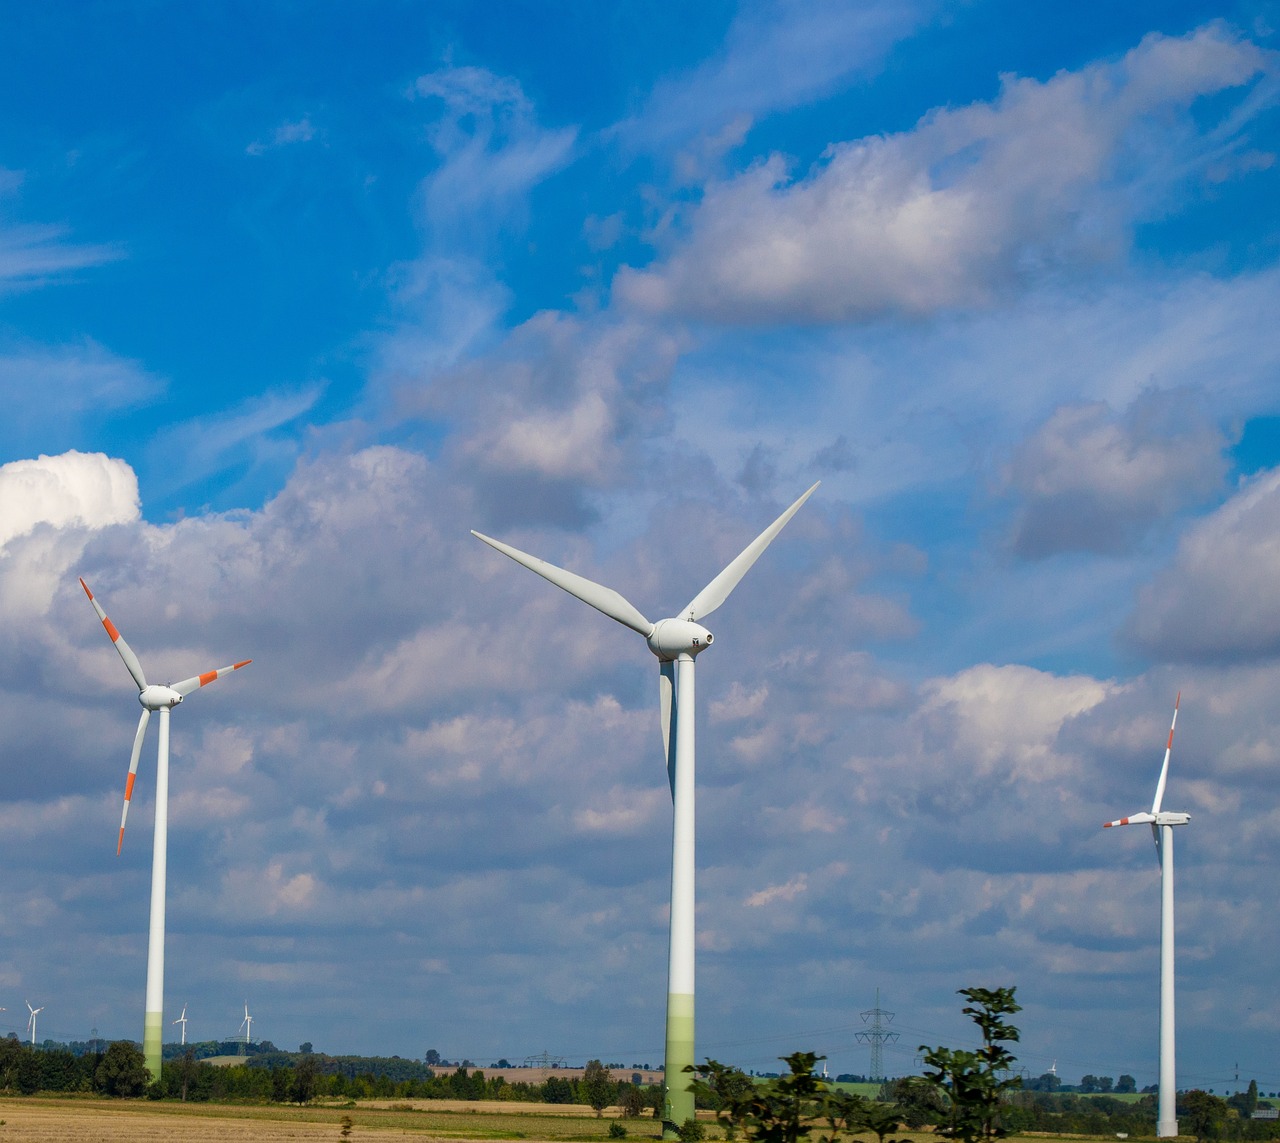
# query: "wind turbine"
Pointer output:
{"type": "Point", "coordinates": [1162, 823]}
{"type": "Point", "coordinates": [183, 1021]}
{"type": "Point", "coordinates": [246, 1024]}
{"type": "Point", "coordinates": [163, 699]}
{"type": "Point", "coordinates": [31, 1020]}
{"type": "Point", "coordinates": [676, 642]}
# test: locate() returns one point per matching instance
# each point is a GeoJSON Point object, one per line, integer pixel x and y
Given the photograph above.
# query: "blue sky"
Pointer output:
{"type": "Point", "coordinates": [292, 297]}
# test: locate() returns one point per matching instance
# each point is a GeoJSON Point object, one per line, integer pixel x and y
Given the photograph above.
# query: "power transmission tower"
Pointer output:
{"type": "Point", "coordinates": [877, 1036]}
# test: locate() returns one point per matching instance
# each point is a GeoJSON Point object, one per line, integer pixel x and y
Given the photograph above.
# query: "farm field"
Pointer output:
{"type": "Point", "coordinates": [45, 1120]}
{"type": "Point", "coordinates": [54, 1120]}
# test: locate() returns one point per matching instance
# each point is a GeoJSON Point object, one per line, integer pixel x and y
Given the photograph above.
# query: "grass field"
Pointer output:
{"type": "Point", "coordinates": [38, 1119]}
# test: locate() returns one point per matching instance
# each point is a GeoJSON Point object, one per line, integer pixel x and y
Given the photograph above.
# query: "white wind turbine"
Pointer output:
{"type": "Point", "coordinates": [674, 641]}
{"type": "Point", "coordinates": [161, 698]}
{"type": "Point", "coordinates": [183, 1021]}
{"type": "Point", "coordinates": [1162, 823]}
{"type": "Point", "coordinates": [31, 1020]}
{"type": "Point", "coordinates": [246, 1024]}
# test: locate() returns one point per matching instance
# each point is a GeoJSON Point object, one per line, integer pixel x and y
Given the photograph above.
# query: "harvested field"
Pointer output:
{"type": "Point", "coordinates": [49, 1120]}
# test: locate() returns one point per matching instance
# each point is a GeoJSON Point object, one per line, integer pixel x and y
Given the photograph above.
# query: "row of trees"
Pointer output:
{"type": "Point", "coordinates": [972, 1096]}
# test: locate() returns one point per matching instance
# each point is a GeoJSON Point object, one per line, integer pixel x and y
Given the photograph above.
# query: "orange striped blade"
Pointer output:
{"type": "Point", "coordinates": [197, 681]}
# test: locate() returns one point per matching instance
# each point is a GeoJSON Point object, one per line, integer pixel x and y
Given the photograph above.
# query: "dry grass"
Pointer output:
{"type": "Point", "coordinates": [41, 1119]}
{"type": "Point", "coordinates": [45, 1120]}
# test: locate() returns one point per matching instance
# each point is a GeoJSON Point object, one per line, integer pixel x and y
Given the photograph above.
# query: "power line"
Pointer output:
{"type": "Point", "coordinates": [877, 1036]}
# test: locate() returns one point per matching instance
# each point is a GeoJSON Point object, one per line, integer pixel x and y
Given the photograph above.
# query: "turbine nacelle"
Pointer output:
{"type": "Point", "coordinates": [156, 697]}
{"type": "Point", "coordinates": [672, 638]}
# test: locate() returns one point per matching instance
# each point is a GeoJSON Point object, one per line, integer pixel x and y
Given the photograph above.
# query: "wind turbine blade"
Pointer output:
{"type": "Point", "coordinates": [602, 598]}
{"type": "Point", "coordinates": [717, 591]}
{"type": "Point", "coordinates": [133, 773]}
{"type": "Point", "coordinates": [1132, 819]}
{"type": "Point", "coordinates": [666, 684]}
{"type": "Point", "coordinates": [1164, 770]}
{"type": "Point", "coordinates": [126, 652]}
{"type": "Point", "coordinates": [194, 684]}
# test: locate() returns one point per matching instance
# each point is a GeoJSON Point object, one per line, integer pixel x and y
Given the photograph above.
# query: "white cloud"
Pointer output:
{"type": "Point", "coordinates": [970, 201]}
{"type": "Point", "coordinates": [774, 57]}
{"type": "Point", "coordinates": [491, 148]}
{"type": "Point", "coordinates": [295, 131]}
{"type": "Point", "coordinates": [1091, 481]}
{"type": "Point", "coordinates": [89, 490]}
{"type": "Point", "coordinates": [1218, 600]}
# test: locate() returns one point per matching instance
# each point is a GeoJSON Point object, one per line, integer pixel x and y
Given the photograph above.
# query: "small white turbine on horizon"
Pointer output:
{"type": "Point", "coordinates": [163, 699]}
{"type": "Point", "coordinates": [1162, 823]}
{"type": "Point", "coordinates": [676, 642]}
{"type": "Point", "coordinates": [183, 1021]}
{"type": "Point", "coordinates": [31, 1020]}
{"type": "Point", "coordinates": [247, 1024]}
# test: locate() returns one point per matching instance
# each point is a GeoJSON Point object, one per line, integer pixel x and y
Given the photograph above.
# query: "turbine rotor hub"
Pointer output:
{"type": "Point", "coordinates": [672, 638]}
{"type": "Point", "coordinates": [156, 697]}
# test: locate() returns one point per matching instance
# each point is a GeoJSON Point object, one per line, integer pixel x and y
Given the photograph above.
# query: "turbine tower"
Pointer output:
{"type": "Point", "coordinates": [183, 1021]}
{"type": "Point", "coordinates": [247, 1025]}
{"type": "Point", "coordinates": [163, 699]}
{"type": "Point", "coordinates": [1162, 823]}
{"type": "Point", "coordinates": [676, 643]}
{"type": "Point", "coordinates": [31, 1021]}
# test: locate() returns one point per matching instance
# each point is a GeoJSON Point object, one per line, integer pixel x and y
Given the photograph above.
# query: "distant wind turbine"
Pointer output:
{"type": "Point", "coordinates": [183, 1021]}
{"type": "Point", "coordinates": [163, 699]}
{"type": "Point", "coordinates": [676, 643]}
{"type": "Point", "coordinates": [1162, 823]}
{"type": "Point", "coordinates": [247, 1024]}
{"type": "Point", "coordinates": [31, 1020]}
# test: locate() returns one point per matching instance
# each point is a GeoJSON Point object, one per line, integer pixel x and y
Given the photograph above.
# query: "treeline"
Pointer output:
{"type": "Point", "coordinates": [119, 1069]}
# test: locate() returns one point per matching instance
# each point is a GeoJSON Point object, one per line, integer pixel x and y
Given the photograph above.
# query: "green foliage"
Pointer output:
{"type": "Point", "coordinates": [781, 1110]}
{"type": "Point", "coordinates": [123, 1070]}
{"type": "Point", "coordinates": [631, 1100]}
{"type": "Point", "coordinates": [975, 1083]}
{"type": "Point", "coordinates": [1203, 1114]}
{"type": "Point", "coordinates": [617, 1131]}
{"type": "Point", "coordinates": [691, 1131]}
{"type": "Point", "coordinates": [919, 1102]}
{"type": "Point", "coordinates": [597, 1086]}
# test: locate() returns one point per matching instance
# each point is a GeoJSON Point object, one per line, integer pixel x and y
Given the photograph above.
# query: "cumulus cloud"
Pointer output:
{"type": "Point", "coordinates": [1217, 600]}
{"type": "Point", "coordinates": [90, 490]}
{"type": "Point", "coordinates": [969, 201]}
{"type": "Point", "coordinates": [1093, 481]}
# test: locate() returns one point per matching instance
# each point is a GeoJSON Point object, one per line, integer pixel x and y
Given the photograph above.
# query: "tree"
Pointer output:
{"type": "Point", "coordinates": [305, 1048]}
{"type": "Point", "coordinates": [597, 1086]}
{"type": "Point", "coordinates": [781, 1110]}
{"type": "Point", "coordinates": [304, 1079]}
{"type": "Point", "coordinates": [975, 1082]}
{"type": "Point", "coordinates": [631, 1100]}
{"type": "Point", "coordinates": [1204, 1114]}
{"type": "Point", "coordinates": [1126, 1084]}
{"type": "Point", "coordinates": [123, 1071]}
{"type": "Point", "coordinates": [432, 1057]}
{"type": "Point", "coordinates": [1246, 1102]}
{"type": "Point", "coordinates": [918, 1101]}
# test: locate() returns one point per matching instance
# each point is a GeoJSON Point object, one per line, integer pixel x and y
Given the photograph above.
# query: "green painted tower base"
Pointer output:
{"type": "Point", "coordinates": [153, 1042]}
{"type": "Point", "coordinates": [677, 1099]}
